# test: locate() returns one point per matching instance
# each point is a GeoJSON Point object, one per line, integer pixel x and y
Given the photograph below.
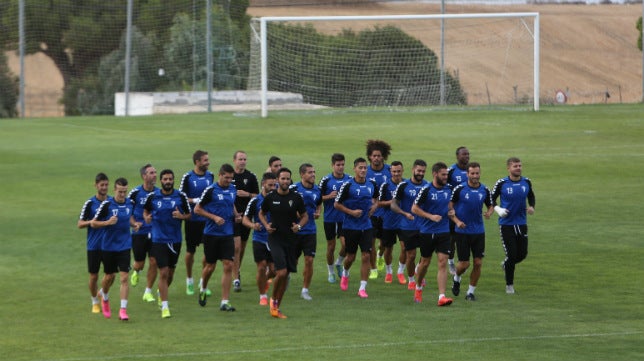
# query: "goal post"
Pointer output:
{"type": "Point", "coordinates": [498, 53]}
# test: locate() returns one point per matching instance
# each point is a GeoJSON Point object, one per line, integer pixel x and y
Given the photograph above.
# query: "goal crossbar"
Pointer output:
{"type": "Point", "coordinates": [264, 48]}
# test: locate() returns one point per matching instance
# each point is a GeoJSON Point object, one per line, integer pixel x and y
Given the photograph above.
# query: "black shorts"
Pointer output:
{"type": "Point", "coordinates": [469, 244]}
{"type": "Point", "coordinates": [332, 230]}
{"type": "Point", "coordinates": [94, 259]}
{"type": "Point", "coordinates": [376, 225]}
{"type": "Point", "coordinates": [141, 244]}
{"type": "Point", "coordinates": [389, 237]}
{"type": "Point", "coordinates": [435, 242]}
{"type": "Point", "coordinates": [116, 261]}
{"type": "Point", "coordinates": [194, 235]}
{"type": "Point", "coordinates": [218, 248]}
{"type": "Point", "coordinates": [354, 238]}
{"type": "Point", "coordinates": [166, 254]}
{"type": "Point", "coordinates": [305, 244]}
{"type": "Point", "coordinates": [241, 231]}
{"type": "Point", "coordinates": [411, 239]}
{"type": "Point", "coordinates": [283, 253]}
{"type": "Point", "coordinates": [261, 252]}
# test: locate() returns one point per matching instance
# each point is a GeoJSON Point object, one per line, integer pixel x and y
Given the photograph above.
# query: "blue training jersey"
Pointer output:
{"type": "Point", "coordinates": [94, 235]}
{"type": "Point", "coordinates": [513, 198]}
{"type": "Point", "coordinates": [312, 199]}
{"type": "Point", "coordinates": [456, 175]}
{"type": "Point", "coordinates": [468, 204]}
{"type": "Point", "coordinates": [138, 196]}
{"type": "Point", "coordinates": [193, 185]}
{"type": "Point", "coordinates": [252, 212]}
{"type": "Point", "coordinates": [435, 201]}
{"type": "Point", "coordinates": [329, 184]}
{"type": "Point", "coordinates": [354, 195]}
{"type": "Point", "coordinates": [220, 202]}
{"type": "Point", "coordinates": [379, 177]}
{"type": "Point", "coordinates": [117, 236]}
{"type": "Point", "coordinates": [390, 219]}
{"type": "Point", "coordinates": [406, 194]}
{"type": "Point", "coordinates": [166, 228]}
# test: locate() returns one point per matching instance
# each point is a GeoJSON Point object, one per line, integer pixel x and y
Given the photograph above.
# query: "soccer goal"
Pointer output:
{"type": "Point", "coordinates": [398, 62]}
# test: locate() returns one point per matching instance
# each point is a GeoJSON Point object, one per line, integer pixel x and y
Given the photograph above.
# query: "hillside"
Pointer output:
{"type": "Point", "coordinates": [588, 50]}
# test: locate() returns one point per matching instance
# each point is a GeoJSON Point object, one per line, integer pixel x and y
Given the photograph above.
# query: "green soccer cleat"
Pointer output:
{"type": "Point", "coordinates": [134, 278]}
{"type": "Point", "coordinates": [190, 289]}
{"type": "Point", "coordinates": [148, 297]}
{"type": "Point", "coordinates": [165, 313]}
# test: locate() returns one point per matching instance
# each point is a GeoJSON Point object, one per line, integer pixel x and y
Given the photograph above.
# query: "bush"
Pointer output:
{"type": "Point", "coordinates": [8, 90]}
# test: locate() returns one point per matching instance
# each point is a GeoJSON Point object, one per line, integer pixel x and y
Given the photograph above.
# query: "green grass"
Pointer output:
{"type": "Point", "coordinates": [579, 293]}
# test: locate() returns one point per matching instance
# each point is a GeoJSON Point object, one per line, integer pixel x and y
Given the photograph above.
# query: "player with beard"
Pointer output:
{"type": "Point", "coordinates": [287, 213]}
{"type": "Point", "coordinates": [431, 206]}
{"type": "Point", "coordinates": [403, 199]}
{"type": "Point", "coordinates": [165, 209]}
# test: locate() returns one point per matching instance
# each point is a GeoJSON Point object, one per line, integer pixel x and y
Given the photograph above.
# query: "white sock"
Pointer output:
{"type": "Point", "coordinates": [471, 289]}
{"type": "Point", "coordinates": [363, 285]}
{"type": "Point", "coordinates": [200, 282]}
{"type": "Point", "coordinates": [345, 272]}
{"type": "Point", "coordinates": [106, 296]}
{"type": "Point", "coordinates": [305, 290]}
{"type": "Point", "coordinates": [401, 267]}
{"type": "Point", "coordinates": [123, 303]}
{"type": "Point", "coordinates": [164, 305]}
{"type": "Point", "coordinates": [224, 302]}
{"type": "Point", "coordinates": [441, 296]}
{"type": "Point", "coordinates": [339, 260]}
{"type": "Point", "coordinates": [388, 268]}
{"type": "Point", "coordinates": [190, 281]}
{"type": "Point", "coordinates": [412, 279]}
{"type": "Point", "coordinates": [95, 300]}
{"type": "Point", "coordinates": [457, 278]}
{"type": "Point", "coordinates": [331, 268]}
{"type": "Point", "coordinates": [148, 290]}
{"type": "Point", "coordinates": [450, 261]}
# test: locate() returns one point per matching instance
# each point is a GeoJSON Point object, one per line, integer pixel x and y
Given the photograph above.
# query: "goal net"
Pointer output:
{"type": "Point", "coordinates": [397, 62]}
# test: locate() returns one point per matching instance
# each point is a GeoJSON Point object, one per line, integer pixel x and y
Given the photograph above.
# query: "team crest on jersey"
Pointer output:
{"type": "Point", "coordinates": [290, 203]}
{"type": "Point", "coordinates": [245, 181]}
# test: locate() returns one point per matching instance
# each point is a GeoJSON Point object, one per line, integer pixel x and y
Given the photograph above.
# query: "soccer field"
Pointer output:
{"type": "Point", "coordinates": [578, 292]}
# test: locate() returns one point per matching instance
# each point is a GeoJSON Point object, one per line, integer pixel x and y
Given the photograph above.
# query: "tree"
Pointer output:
{"type": "Point", "coordinates": [638, 26]}
{"type": "Point", "coordinates": [8, 90]}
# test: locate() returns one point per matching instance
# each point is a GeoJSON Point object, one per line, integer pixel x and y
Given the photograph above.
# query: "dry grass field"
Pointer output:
{"type": "Point", "coordinates": [588, 50]}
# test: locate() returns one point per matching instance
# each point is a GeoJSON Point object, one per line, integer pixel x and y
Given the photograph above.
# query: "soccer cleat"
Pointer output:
{"type": "Point", "coordinates": [165, 313]}
{"type": "Point", "coordinates": [344, 283]}
{"type": "Point", "coordinates": [237, 285]}
{"type": "Point", "coordinates": [105, 307]}
{"type": "Point", "coordinates": [373, 274]}
{"type": "Point", "coordinates": [445, 301]}
{"type": "Point", "coordinates": [305, 295]}
{"type": "Point", "coordinates": [134, 278]}
{"type": "Point", "coordinates": [470, 297]}
{"type": "Point", "coordinates": [338, 268]}
{"type": "Point", "coordinates": [509, 289]}
{"type": "Point", "coordinates": [123, 315]}
{"type": "Point", "coordinates": [202, 298]}
{"type": "Point", "coordinates": [275, 312]}
{"type": "Point", "coordinates": [148, 297]}
{"type": "Point", "coordinates": [226, 307]}
{"type": "Point", "coordinates": [411, 285]}
{"type": "Point", "coordinates": [389, 278]}
{"type": "Point", "coordinates": [456, 288]}
{"type": "Point", "coordinates": [331, 278]}
{"type": "Point", "coordinates": [452, 269]}
{"type": "Point", "coordinates": [381, 263]}
{"type": "Point", "coordinates": [401, 279]}
{"type": "Point", "coordinates": [208, 292]}
{"type": "Point", "coordinates": [418, 296]}
{"type": "Point", "coordinates": [96, 308]}
{"type": "Point", "coordinates": [363, 294]}
{"type": "Point", "coordinates": [263, 301]}
{"type": "Point", "coordinates": [190, 289]}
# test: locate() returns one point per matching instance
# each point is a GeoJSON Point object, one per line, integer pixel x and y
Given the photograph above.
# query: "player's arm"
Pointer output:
{"type": "Point", "coordinates": [451, 214]}
{"type": "Point", "coordinates": [531, 198]}
{"type": "Point", "coordinates": [103, 211]}
{"type": "Point", "coordinates": [84, 220]}
{"type": "Point", "coordinates": [303, 216]}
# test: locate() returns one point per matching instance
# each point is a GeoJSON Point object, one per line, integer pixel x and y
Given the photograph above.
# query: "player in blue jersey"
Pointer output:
{"type": "Point", "coordinates": [432, 206]}
{"type": "Point", "coordinates": [283, 214]}
{"type": "Point", "coordinates": [513, 191]}
{"type": "Point", "coordinates": [261, 252]}
{"type": "Point", "coordinates": [193, 183]}
{"type": "Point", "coordinates": [306, 239]}
{"type": "Point", "coordinates": [357, 200]}
{"type": "Point", "coordinates": [403, 200]}
{"type": "Point", "coordinates": [141, 239]}
{"type": "Point", "coordinates": [94, 236]}
{"type": "Point", "coordinates": [468, 199]}
{"type": "Point", "coordinates": [456, 174]}
{"type": "Point", "coordinates": [217, 205]}
{"type": "Point", "coordinates": [329, 187]}
{"type": "Point", "coordinates": [247, 187]}
{"type": "Point", "coordinates": [165, 209]}
{"type": "Point", "coordinates": [378, 171]}
{"type": "Point", "coordinates": [391, 224]}
{"type": "Point", "coordinates": [115, 215]}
